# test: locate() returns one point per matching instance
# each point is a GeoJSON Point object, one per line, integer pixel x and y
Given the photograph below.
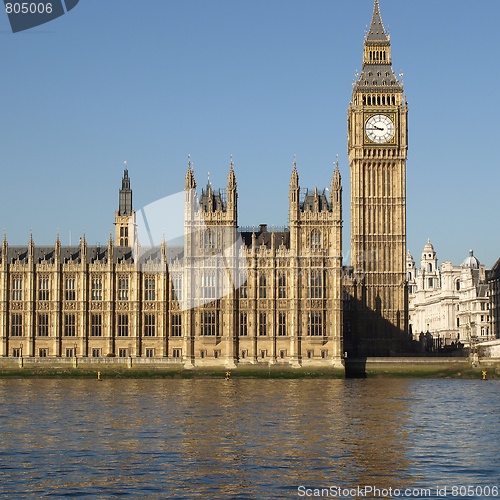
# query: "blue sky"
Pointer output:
{"type": "Point", "coordinates": [152, 81]}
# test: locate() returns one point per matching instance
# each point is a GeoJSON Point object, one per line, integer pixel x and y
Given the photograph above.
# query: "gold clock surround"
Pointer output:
{"type": "Point", "coordinates": [391, 140]}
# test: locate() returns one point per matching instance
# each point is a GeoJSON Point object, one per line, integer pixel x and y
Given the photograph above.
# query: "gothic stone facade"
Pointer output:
{"type": "Point", "coordinates": [223, 297]}
{"type": "Point", "coordinates": [376, 315]}
{"type": "Point", "coordinates": [232, 296]}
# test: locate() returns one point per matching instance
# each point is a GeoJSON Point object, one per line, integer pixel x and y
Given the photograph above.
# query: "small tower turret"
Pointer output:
{"type": "Point", "coordinates": [232, 194]}
{"type": "Point", "coordinates": [125, 215]}
{"type": "Point", "coordinates": [294, 193]}
{"type": "Point", "coordinates": [336, 192]}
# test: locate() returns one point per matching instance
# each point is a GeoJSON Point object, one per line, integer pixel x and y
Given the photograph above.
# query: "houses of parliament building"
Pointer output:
{"type": "Point", "coordinates": [225, 295]}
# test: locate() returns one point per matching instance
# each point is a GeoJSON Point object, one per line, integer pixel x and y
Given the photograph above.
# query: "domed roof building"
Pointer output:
{"type": "Point", "coordinates": [448, 303]}
{"type": "Point", "coordinates": [470, 262]}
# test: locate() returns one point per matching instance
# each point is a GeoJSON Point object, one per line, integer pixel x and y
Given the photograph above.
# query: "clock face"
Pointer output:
{"type": "Point", "coordinates": [379, 129]}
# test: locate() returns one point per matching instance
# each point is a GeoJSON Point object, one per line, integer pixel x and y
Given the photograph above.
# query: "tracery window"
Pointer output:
{"type": "Point", "coordinates": [262, 286]}
{"type": "Point", "coordinates": [315, 284]}
{"type": "Point", "coordinates": [315, 240]}
{"type": "Point", "coordinates": [149, 288]}
{"type": "Point", "coordinates": [123, 285]}
{"type": "Point", "coordinates": [96, 291]}
{"type": "Point", "coordinates": [208, 323]}
{"type": "Point", "coordinates": [315, 323]}
{"type": "Point", "coordinates": [17, 288]}
{"type": "Point", "coordinates": [149, 325]}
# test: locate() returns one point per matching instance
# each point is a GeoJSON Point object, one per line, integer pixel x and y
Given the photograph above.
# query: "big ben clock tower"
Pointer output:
{"type": "Point", "coordinates": [377, 146]}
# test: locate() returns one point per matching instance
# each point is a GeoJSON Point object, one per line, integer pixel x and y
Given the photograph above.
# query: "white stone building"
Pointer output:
{"type": "Point", "coordinates": [447, 304]}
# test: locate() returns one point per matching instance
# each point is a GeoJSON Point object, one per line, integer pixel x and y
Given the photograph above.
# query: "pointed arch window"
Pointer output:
{"type": "Point", "coordinates": [208, 323]}
{"type": "Point", "coordinates": [96, 293]}
{"type": "Point", "coordinates": [70, 288]}
{"type": "Point", "coordinates": [315, 324]}
{"type": "Point", "coordinates": [209, 239]}
{"type": "Point", "coordinates": [315, 240]}
{"type": "Point", "coordinates": [243, 286]}
{"type": "Point", "coordinates": [123, 287]}
{"type": "Point", "coordinates": [177, 288]}
{"type": "Point", "coordinates": [282, 285]}
{"type": "Point", "coordinates": [208, 285]}
{"type": "Point", "coordinates": [17, 288]}
{"type": "Point", "coordinates": [262, 286]}
{"type": "Point", "coordinates": [149, 288]}
{"type": "Point", "coordinates": [43, 288]}
{"type": "Point", "coordinates": [315, 284]}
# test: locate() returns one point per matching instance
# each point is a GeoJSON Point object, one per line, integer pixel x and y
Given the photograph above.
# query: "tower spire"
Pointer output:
{"type": "Point", "coordinates": [377, 74]}
{"type": "Point", "coordinates": [377, 31]}
{"type": "Point", "coordinates": [190, 182]}
{"type": "Point", "coordinates": [125, 201]}
{"type": "Point", "coordinates": [294, 181]}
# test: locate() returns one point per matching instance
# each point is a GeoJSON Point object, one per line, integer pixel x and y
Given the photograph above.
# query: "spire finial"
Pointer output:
{"type": "Point", "coordinates": [376, 32]}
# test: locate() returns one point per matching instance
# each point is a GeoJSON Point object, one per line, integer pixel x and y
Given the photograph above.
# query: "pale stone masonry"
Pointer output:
{"type": "Point", "coordinates": [276, 297]}
{"type": "Point", "coordinates": [377, 317]}
{"type": "Point", "coordinates": [449, 303]}
{"type": "Point", "coordinates": [220, 294]}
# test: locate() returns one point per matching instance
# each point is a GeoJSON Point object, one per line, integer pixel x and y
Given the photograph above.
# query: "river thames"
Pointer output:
{"type": "Point", "coordinates": [249, 438]}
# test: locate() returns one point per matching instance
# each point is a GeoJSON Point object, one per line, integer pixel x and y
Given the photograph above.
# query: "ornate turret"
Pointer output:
{"type": "Point", "coordinates": [294, 194]}
{"type": "Point", "coordinates": [125, 215]}
{"type": "Point", "coordinates": [31, 248]}
{"type": "Point", "coordinates": [232, 194]}
{"type": "Point", "coordinates": [336, 191]}
{"type": "Point", "coordinates": [5, 246]}
{"type": "Point", "coordinates": [83, 248]}
{"type": "Point", "coordinates": [190, 181]}
{"type": "Point", "coordinates": [57, 249]}
{"type": "Point", "coordinates": [110, 248]}
{"type": "Point", "coordinates": [125, 199]}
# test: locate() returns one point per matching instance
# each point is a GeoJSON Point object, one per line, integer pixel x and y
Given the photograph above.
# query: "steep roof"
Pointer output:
{"type": "Point", "coordinates": [377, 31]}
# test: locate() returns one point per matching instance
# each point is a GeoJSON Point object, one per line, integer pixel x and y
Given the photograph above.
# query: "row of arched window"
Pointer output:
{"type": "Point", "coordinates": [377, 55]}
{"type": "Point", "coordinates": [379, 100]}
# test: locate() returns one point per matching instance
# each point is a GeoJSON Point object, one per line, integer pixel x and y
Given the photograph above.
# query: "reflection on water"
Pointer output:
{"type": "Point", "coordinates": [250, 439]}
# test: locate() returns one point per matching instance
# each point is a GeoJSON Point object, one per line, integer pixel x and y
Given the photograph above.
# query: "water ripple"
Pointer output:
{"type": "Point", "coordinates": [243, 439]}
